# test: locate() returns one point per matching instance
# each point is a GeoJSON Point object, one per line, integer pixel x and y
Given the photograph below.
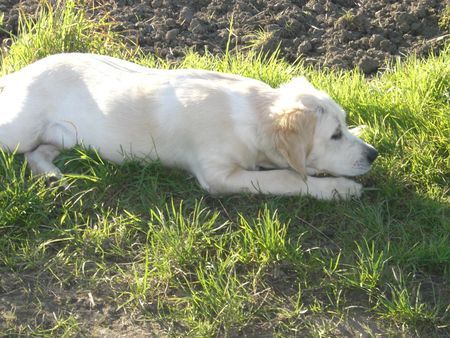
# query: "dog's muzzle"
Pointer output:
{"type": "Point", "coordinates": [371, 155]}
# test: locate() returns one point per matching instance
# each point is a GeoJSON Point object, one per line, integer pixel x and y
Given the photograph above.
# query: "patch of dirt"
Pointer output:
{"type": "Point", "coordinates": [333, 33]}
{"type": "Point", "coordinates": [31, 301]}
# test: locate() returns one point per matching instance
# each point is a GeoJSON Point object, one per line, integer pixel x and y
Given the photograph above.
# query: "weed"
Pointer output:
{"type": "Point", "coordinates": [444, 20]}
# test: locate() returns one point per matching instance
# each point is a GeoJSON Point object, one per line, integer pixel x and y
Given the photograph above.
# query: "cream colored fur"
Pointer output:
{"type": "Point", "coordinates": [222, 128]}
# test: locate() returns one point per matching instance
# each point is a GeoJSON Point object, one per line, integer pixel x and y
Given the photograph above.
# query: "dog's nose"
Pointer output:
{"type": "Point", "coordinates": [372, 154]}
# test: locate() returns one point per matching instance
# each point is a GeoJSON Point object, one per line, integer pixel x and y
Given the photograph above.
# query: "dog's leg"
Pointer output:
{"type": "Point", "coordinates": [282, 182]}
{"type": "Point", "coordinates": [41, 159]}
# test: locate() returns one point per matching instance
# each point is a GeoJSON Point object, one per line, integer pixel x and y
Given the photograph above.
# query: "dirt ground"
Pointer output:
{"type": "Point", "coordinates": [332, 33]}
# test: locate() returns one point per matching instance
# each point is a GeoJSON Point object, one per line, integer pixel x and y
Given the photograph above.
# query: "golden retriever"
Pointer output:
{"type": "Point", "coordinates": [222, 128]}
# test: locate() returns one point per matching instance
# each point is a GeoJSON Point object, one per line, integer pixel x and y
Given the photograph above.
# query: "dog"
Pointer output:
{"type": "Point", "coordinates": [222, 128]}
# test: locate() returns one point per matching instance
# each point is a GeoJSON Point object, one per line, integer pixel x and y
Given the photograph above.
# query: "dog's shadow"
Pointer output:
{"type": "Point", "coordinates": [389, 212]}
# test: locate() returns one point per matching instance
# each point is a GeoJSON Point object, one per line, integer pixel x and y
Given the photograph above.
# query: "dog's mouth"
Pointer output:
{"type": "Point", "coordinates": [319, 173]}
{"type": "Point", "coordinates": [313, 174]}
{"type": "Point", "coordinates": [323, 175]}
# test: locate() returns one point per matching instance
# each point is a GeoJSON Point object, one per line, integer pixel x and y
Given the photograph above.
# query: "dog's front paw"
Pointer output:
{"type": "Point", "coordinates": [333, 188]}
{"type": "Point", "coordinates": [346, 189]}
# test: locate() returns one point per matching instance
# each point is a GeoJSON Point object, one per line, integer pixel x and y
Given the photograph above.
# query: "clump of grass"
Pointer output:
{"type": "Point", "coordinates": [62, 27]}
{"type": "Point", "coordinates": [2, 19]}
{"type": "Point", "coordinates": [404, 304]}
{"type": "Point", "coordinates": [346, 19]}
{"type": "Point", "coordinates": [444, 20]}
{"type": "Point", "coordinates": [259, 39]}
{"type": "Point", "coordinates": [265, 239]}
{"type": "Point", "coordinates": [218, 298]}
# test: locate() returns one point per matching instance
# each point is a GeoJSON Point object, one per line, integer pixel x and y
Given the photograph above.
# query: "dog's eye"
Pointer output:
{"type": "Point", "coordinates": [337, 135]}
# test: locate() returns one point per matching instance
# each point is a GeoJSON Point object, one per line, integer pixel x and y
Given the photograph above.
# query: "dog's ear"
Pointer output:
{"type": "Point", "coordinates": [357, 131]}
{"type": "Point", "coordinates": [293, 135]}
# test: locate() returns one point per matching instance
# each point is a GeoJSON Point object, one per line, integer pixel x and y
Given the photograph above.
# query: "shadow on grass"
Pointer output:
{"type": "Point", "coordinates": [409, 229]}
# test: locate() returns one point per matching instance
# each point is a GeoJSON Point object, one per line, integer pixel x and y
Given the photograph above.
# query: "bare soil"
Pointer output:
{"type": "Point", "coordinates": [332, 33]}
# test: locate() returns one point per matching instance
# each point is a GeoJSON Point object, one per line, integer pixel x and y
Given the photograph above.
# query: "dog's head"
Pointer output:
{"type": "Point", "coordinates": [310, 133]}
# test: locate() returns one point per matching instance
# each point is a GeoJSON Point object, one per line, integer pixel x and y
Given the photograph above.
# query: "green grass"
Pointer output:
{"type": "Point", "coordinates": [142, 247]}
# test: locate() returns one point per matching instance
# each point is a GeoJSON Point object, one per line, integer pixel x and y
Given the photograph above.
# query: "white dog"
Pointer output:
{"type": "Point", "coordinates": [222, 128]}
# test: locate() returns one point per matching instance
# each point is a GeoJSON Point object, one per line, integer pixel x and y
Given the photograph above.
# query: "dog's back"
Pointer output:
{"type": "Point", "coordinates": [123, 109]}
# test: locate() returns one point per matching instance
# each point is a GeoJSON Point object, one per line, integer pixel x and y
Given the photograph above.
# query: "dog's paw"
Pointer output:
{"type": "Point", "coordinates": [346, 189]}
{"type": "Point", "coordinates": [51, 180]}
{"type": "Point", "coordinates": [333, 188]}
{"type": "Point", "coordinates": [57, 182]}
